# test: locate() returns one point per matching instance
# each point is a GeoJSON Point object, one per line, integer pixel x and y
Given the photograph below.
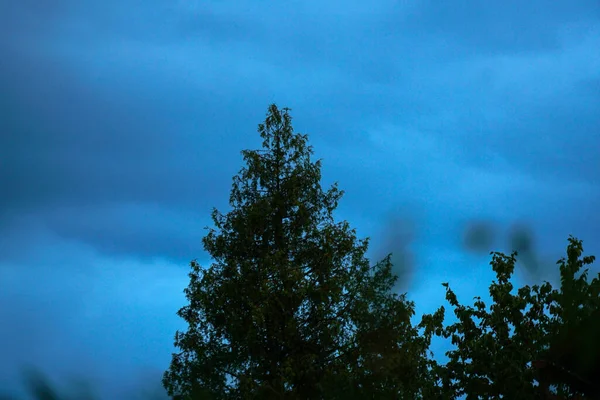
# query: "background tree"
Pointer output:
{"type": "Point", "coordinates": [40, 387]}
{"type": "Point", "coordinates": [291, 308]}
{"type": "Point", "coordinates": [535, 343]}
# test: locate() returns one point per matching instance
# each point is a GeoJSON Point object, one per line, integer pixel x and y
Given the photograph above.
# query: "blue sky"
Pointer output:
{"type": "Point", "coordinates": [455, 128]}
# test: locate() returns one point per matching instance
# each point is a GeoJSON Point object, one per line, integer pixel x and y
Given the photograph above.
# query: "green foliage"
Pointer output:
{"type": "Point", "coordinates": [291, 308]}
{"type": "Point", "coordinates": [495, 347]}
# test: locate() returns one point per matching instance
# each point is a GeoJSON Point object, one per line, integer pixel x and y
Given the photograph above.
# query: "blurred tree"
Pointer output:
{"type": "Point", "coordinates": [397, 236]}
{"type": "Point", "coordinates": [522, 240]}
{"type": "Point", "coordinates": [40, 388]}
{"type": "Point", "coordinates": [291, 308]}
{"type": "Point", "coordinates": [479, 236]}
{"type": "Point", "coordinates": [536, 343]}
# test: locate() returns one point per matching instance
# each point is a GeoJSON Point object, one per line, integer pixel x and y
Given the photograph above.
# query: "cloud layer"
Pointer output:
{"type": "Point", "coordinates": [455, 129]}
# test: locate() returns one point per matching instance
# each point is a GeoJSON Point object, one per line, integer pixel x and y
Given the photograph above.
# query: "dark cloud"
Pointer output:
{"type": "Point", "coordinates": [65, 140]}
{"type": "Point", "coordinates": [145, 230]}
{"type": "Point", "coordinates": [79, 147]}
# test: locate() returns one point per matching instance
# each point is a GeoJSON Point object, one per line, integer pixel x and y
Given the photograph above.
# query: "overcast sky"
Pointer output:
{"type": "Point", "coordinates": [122, 122]}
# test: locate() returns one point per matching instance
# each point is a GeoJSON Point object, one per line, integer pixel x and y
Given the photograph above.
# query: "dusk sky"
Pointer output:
{"type": "Point", "coordinates": [454, 127]}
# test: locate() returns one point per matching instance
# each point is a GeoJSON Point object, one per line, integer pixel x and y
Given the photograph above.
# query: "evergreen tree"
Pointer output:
{"type": "Point", "coordinates": [291, 307]}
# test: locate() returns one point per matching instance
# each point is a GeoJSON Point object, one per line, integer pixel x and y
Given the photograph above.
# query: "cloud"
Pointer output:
{"type": "Point", "coordinates": [71, 312]}
{"type": "Point", "coordinates": [452, 128]}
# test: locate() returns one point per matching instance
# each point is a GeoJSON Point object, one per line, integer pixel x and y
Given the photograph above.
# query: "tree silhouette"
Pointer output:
{"type": "Point", "coordinates": [539, 342]}
{"type": "Point", "coordinates": [291, 308]}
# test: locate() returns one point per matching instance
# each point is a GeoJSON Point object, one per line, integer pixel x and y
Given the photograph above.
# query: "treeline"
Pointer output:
{"type": "Point", "coordinates": [292, 309]}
